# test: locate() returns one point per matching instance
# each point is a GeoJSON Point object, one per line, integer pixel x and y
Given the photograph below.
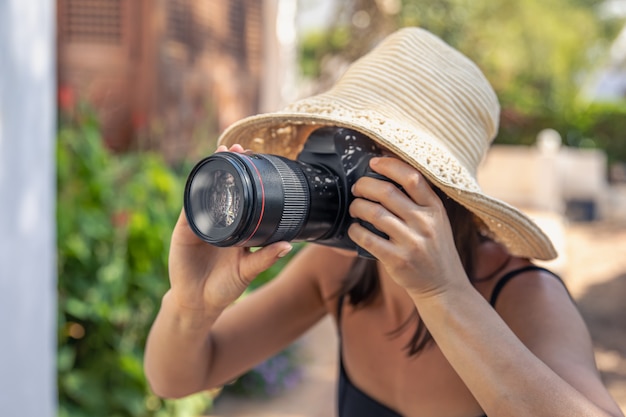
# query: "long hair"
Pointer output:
{"type": "Point", "coordinates": [362, 283]}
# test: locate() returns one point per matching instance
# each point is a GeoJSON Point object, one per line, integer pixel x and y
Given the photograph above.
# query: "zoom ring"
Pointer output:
{"type": "Point", "coordinates": [296, 204]}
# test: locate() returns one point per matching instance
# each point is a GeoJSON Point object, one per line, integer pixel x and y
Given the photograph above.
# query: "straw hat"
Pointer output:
{"type": "Point", "coordinates": [425, 102]}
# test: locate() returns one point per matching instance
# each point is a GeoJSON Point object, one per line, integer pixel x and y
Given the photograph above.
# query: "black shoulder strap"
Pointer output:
{"type": "Point", "coordinates": [512, 274]}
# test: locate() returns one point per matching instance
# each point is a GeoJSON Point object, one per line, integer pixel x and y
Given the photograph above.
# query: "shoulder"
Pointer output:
{"type": "Point", "coordinates": [502, 278]}
{"type": "Point", "coordinates": [528, 288]}
{"type": "Point", "coordinates": [533, 301]}
{"type": "Point", "coordinates": [538, 308]}
{"type": "Point", "coordinates": [535, 280]}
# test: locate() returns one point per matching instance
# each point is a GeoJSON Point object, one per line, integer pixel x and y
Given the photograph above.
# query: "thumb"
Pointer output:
{"type": "Point", "coordinates": [260, 260]}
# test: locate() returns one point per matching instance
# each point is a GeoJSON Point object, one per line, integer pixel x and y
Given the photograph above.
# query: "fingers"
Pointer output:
{"type": "Point", "coordinates": [258, 261]}
{"type": "Point", "coordinates": [402, 233]}
{"type": "Point", "coordinates": [182, 233]}
{"type": "Point", "coordinates": [409, 217]}
{"type": "Point", "coordinates": [234, 148]}
{"type": "Point", "coordinates": [415, 197]}
{"type": "Point", "coordinates": [411, 180]}
{"type": "Point", "coordinates": [377, 246]}
{"type": "Point", "coordinates": [376, 214]}
{"type": "Point", "coordinates": [387, 194]}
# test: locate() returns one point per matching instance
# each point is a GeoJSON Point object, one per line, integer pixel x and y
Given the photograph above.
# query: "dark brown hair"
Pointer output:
{"type": "Point", "coordinates": [362, 284]}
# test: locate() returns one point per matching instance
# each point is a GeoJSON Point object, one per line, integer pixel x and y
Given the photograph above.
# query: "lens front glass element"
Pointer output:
{"type": "Point", "coordinates": [215, 199]}
{"type": "Point", "coordinates": [222, 198]}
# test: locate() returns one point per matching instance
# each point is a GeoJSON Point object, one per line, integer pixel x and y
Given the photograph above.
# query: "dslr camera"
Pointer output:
{"type": "Point", "coordinates": [253, 199]}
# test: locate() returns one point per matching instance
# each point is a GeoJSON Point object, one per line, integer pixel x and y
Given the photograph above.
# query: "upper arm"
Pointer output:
{"type": "Point", "coordinates": [539, 310]}
{"type": "Point", "coordinates": [270, 318]}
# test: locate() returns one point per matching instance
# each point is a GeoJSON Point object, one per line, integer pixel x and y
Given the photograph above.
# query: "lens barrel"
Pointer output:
{"type": "Point", "coordinates": [234, 199]}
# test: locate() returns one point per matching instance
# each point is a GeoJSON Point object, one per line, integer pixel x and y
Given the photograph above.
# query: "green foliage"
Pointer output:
{"type": "Point", "coordinates": [114, 216]}
{"type": "Point", "coordinates": [600, 126]}
{"type": "Point", "coordinates": [603, 126]}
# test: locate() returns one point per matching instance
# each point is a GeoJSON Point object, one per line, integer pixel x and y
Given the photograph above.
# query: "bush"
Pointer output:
{"type": "Point", "coordinates": [114, 214]}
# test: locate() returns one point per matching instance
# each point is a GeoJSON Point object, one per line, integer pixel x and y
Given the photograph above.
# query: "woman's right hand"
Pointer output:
{"type": "Point", "coordinates": [207, 278]}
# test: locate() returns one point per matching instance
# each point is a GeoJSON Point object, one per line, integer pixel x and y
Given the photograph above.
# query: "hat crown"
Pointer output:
{"type": "Point", "coordinates": [416, 79]}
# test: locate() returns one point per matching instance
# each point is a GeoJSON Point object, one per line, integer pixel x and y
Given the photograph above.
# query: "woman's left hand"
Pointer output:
{"type": "Point", "coordinates": [420, 254]}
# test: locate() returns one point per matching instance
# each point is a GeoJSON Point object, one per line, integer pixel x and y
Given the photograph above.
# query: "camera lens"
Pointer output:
{"type": "Point", "coordinates": [256, 199]}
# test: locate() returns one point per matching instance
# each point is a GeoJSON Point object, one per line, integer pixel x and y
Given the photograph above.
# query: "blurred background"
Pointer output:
{"type": "Point", "coordinates": [105, 105]}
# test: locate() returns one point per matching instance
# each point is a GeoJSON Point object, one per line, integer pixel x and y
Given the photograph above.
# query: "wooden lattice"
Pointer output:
{"type": "Point", "coordinates": [98, 21]}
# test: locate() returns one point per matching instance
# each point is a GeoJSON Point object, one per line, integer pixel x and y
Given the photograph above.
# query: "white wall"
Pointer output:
{"type": "Point", "coordinates": [27, 203]}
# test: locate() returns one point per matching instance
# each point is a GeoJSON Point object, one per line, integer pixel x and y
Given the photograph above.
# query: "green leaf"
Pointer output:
{"type": "Point", "coordinates": [77, 308]}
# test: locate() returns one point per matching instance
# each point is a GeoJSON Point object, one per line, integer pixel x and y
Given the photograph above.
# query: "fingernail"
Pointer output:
{"type": "Point", "coordinates": [285, 251]}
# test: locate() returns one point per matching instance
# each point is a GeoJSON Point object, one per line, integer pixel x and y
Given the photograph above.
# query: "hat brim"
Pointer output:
{"type": "Point", "coordinates": [284, 133]}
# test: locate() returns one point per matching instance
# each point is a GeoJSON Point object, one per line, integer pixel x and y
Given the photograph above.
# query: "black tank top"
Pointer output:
{"type": "Point", "coordinates": [353, 402]}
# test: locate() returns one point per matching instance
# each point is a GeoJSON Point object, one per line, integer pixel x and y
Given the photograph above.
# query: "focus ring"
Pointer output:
{"type": "Point", "coordinates": [296, 200]}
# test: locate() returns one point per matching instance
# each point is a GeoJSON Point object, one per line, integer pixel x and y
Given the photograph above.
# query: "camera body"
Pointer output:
{"type": "Point", "coordinates": [249, 199]}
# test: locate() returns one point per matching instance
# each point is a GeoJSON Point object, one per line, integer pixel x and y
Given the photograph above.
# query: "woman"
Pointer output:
{"type": "Point", "coordinates": [452, 319]}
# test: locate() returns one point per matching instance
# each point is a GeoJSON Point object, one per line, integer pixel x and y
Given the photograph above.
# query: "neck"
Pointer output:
{"type": "Point", "coordinates": [492, 258]}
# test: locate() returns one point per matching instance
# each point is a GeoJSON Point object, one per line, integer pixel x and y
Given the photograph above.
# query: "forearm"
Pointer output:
{"type": "Point", "coordinates": [505, 377]}
{"type": "Point", "coordinates": [178, 350]}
